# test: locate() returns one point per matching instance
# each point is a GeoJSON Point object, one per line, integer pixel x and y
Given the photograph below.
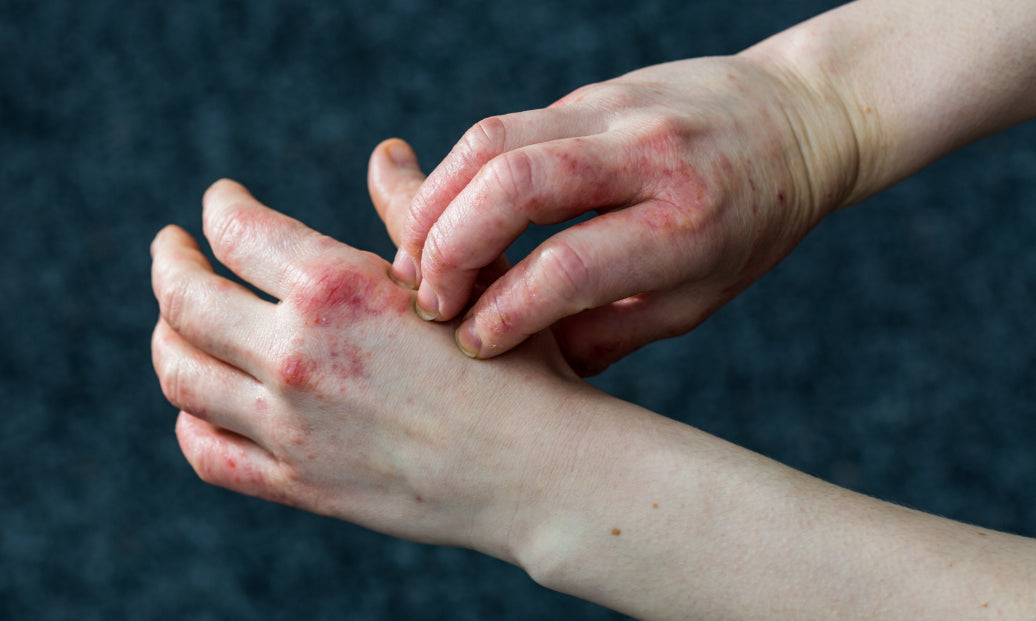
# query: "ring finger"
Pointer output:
{"type": "Point", "coordinates": [206, 387]}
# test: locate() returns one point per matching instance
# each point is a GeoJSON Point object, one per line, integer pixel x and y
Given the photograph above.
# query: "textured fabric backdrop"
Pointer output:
{"type": "Point", "coordinates": [893, 353]}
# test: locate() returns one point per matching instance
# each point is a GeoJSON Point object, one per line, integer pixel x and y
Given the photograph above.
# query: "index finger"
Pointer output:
{"type": "Point", "coordinates": [480, 144]}
{"type": "Point", "coordinates": [262, 246]}
{"type": "Point", "coordinates": [393, 177]}
{"type": "Point", "coordinates": [546, 183]}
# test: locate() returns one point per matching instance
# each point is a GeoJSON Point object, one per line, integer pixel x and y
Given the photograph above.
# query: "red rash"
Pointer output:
{"type": "Point", "coordinates": [335, 295]}
{"type": "Point", "coordinates": [297, 370]}
{"type": "Point", "coordinates": [348, 361]}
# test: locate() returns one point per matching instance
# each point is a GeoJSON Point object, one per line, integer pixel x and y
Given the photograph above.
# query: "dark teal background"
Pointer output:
{"type": "Point", "coordinates": [893, 353]}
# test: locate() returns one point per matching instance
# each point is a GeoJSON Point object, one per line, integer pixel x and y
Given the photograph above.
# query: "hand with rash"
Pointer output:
{"type": "Point", "coordinates": [700, 175]}
{"type": "Point", "coordinates": [699, 181]}
{"type": "Point", "coordinates": [337, 398]}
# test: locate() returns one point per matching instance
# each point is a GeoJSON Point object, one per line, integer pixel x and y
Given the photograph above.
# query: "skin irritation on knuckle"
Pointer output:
{"type": "Point", "coordinates": [335, 299]}
{"type": "Point", "coordinates": [682, 193]}
{"type": "Point", "coordinates": [335, 295]}
{"type": "Point", "coordinates": [296, 370]}
{"type": "Point", "coordinates": [346, 363]}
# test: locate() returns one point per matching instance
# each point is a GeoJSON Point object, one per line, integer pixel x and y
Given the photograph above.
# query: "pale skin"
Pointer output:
{"type": "Point", "coordinates": [705, 172]}
{"type": "Point", "coordinates": [338, 399]}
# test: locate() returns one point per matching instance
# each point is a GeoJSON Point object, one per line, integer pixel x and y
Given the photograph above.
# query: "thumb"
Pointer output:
{"type": "Point", "coordinates": [393, 177]}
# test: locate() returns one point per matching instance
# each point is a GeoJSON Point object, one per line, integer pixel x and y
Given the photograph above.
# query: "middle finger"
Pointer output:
{"type": "Point", "coordinates": [212, 313]}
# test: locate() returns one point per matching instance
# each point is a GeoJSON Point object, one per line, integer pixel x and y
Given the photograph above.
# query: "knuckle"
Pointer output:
{"type": "Point", "coordinates": [512, 175]}
{"type": "Point", "coordinates": [664, 133]}
{"type": "Point", "coordinates": [438, 255]}
{"type": "Point", "coordinates": [612, 96]}
{"type": "Point", "coordinates": [175, 299]}
{"type": "Point", "coordinates": [563, 274]}
{"type": "Point", "coordinates": [294, 370]}
{"type": "Point", "coordinates": [172, 377]}
{"type": "Point", "coordinates": [485, 139]}
{"type": "Point", "coordinates": [227, 231]}
{"type": "Point", "coordinates": [499, 319]}
{"type": "Point", "coordinates": [205, 466]}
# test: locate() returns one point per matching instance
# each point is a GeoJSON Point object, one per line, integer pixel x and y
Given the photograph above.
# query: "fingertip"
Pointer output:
{"type": "Point", "coordinates": [468, 339]}
{"type": "Point", "coordinates": [404, 269]}
{"type": "Point", "coordinates": [171, 234]}
{"type": "Point", "coordinates": [221, 186]}
{"type": "Point", "coordinates": [400, 152]}
{"type": "Point", "coordinates": [393, 178]}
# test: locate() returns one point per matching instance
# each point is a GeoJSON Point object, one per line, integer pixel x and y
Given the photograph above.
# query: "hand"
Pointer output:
{"type": "Point", "coordinates": [704, 174]}
{"type": "Point", "coordinates": [338, 399]}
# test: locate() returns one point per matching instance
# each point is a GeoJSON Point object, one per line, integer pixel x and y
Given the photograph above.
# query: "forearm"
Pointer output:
{"type": "Point", "coordinates": [915, 80]}
{"type": "Point", "coordinates": [661, 521]}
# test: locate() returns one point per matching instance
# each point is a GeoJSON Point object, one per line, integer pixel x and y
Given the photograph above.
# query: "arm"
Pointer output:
{"type": "Point", "coordinates": [338, 400]}
{"type": "Point", "coordinates": [915, 80]}
{"type": "Point", "coordinates": [704, 173]}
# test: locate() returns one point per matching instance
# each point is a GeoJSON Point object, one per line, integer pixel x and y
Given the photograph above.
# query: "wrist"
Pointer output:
{"type": "Point", "coordinates": [903, 84]}
{"type": "Point", "coordinates": [832, 131]}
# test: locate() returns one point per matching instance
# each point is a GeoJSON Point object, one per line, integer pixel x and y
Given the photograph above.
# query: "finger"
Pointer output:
{"type": "Point", "coordinates": [609, 258]}
{"type": "Point", "coordinates": [543, 184]}
{"type": "Point", "coordinates": [206, 387]}
{"type": "Point", "coordinates": [224, 458]}
{"type": "Point", "coordinates": [214, 314]}
{"type": "Point", "coordinates": [598, 337]}
{"type": "Point", "coordinates": [480, 144]}
{"type": "Point", "coordinates": [393, 178]}
{"type": "Point", "coordinates": [262, 246]}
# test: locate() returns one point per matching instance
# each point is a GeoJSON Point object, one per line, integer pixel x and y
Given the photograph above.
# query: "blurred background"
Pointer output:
{"type": "Point", "coordinates": [893, 353]}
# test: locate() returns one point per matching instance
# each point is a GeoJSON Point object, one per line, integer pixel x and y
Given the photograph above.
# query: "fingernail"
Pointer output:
{"type": "Point", "coordinates": [427, 303]}
{"type": "Point", "coordinates": [401, 155]}
{"type": "Point", "coordinates": [467, 339]}
{"type": "Point", "coordinates": [404, 270]}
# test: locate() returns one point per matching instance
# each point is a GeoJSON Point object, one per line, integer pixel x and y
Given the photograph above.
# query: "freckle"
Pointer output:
{"type": "Point", "coordinates": [981, 534]}
{"type": "Point", "coordinates": [616, 531]}
{"type": "Point", "coordinates": [418, 499]}
{"type": "Point", "coordinates": [654, 505]}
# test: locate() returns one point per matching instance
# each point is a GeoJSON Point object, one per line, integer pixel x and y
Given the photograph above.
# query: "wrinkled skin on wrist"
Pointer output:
{"type": "Point", "coordinates": [702, 175]}
{"type": "Point", "coordinates": [337, 399]}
